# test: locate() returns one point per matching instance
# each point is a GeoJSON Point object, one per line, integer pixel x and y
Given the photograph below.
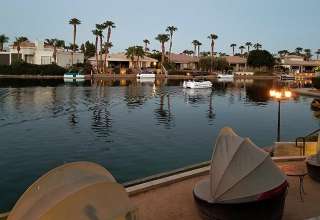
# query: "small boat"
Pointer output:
{"type": "Point", "coordinates": [146, 74]}
{"type": "Point", "coordinates": [74, 75]}
{"type": "Point", "coordinates": [227, 75]}
{"type": "Point", "coordinates": [287, 77]}
{"type": "Point", "coordinates": [197, 84]}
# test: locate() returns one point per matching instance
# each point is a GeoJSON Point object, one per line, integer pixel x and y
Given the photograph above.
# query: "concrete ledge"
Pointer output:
{"type": "Point", "coordinates": [307, 92]}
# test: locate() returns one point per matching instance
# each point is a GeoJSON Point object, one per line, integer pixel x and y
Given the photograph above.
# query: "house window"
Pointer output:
{"type": "Point", "coordinates": [45, 60]}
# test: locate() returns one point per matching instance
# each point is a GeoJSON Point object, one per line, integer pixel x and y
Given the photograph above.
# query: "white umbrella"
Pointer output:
{"type": "Point", "coordinates": [80, 190]}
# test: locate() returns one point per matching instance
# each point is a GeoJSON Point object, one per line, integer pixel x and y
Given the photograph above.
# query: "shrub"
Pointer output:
{"type": "Point", "coordinates": [21, 68]}
{"type": "Point", "coordinates": [260, 58]}
{"type": "Point", "coordinates": [219, 63]}
{"type": "Point", "coordinates": [316, 82]}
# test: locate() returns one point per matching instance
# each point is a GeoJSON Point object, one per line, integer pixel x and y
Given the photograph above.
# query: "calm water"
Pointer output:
{"type": "Point", "coordinates": [133, 129]}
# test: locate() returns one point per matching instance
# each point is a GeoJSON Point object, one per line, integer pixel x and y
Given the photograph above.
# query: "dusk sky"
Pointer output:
{"type": "Point", "coordinates": [276, 24]}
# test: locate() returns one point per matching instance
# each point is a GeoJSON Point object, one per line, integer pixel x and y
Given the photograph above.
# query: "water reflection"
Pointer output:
{"type": "Point", "coordinates": [126, 124]}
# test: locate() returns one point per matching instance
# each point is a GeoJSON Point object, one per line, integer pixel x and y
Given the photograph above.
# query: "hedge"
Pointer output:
{"type": "Point", "coordinates": [32, 69]}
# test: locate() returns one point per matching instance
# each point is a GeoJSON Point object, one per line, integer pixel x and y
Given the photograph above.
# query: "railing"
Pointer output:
{"type": "Point", "coordinates": [303, 140]}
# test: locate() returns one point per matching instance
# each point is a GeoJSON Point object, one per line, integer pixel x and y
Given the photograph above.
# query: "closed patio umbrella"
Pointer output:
{"type": "Point", "coordinates": [80, 190]}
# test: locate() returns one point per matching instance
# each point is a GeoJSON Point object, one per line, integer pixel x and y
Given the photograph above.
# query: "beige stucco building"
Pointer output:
{"type": "Point", "coordinates": [40, 54]}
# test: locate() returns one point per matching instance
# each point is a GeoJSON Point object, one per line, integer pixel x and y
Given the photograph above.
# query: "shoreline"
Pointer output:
{"type": "Point", "coordinates": [130, 76]}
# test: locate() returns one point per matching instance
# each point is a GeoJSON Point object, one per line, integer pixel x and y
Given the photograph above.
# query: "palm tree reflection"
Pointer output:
{"type": "Point", "coordinates": [163, 114]}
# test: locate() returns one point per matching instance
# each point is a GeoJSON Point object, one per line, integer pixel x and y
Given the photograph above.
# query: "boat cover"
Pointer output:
{"type": "Point", "coordinates": [240, 169]}
{"type": "Point", "coordinates": [80, 190]}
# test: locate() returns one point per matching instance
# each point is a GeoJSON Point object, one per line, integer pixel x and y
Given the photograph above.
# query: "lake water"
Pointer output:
{"type": "Point", "coordinates": [133, 129]}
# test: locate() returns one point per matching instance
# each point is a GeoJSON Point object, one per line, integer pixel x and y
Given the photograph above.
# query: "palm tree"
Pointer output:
{"type": "Point", "coordinates": [101, 28]}
{"type": "Point", "coordinates": [212, 37]}
{"type": "Point", "coordinates": [233, 45]}
{"type": "Point", "coordinates": [74, 22]}
{"type": "Point", "coordinates": [3, 39]}
{"type": "Point", "coordinates": [257, 46]}
{"type": "Point", "coordinates": [107, 47]}
{"type": "Point", "coordinates": [135, 52]}
{"type": "Point", "coordinates": [146, 43]}
{"type": "Point", "coordinates": [199, 45]}
{"type": "Point", "coordinates": [249, 44]}
{"type": "Point", "coordinates": [195, 44]}
{"type": "Point", "coordinates": [162, 38]}
{"type": "Point", "coordinates": [108, 25]}
{"type": "Point", "coordinates": [97, 33]}
{"type": "Point", "coordinates": [55, 43]}
{"type": "Point", "coordinates": [241, 48]}
{"type": "Point", "coordinates": [188, 52]}
{"type": "Point", "coordinates": [299, 50]}
{"type": "Point", "coordinates": [283, 52]}
{"type": "Point", "coordinates": [139, 54]}
{"type": "Point", "coordinates": [307, 54]}
{"type": "Point", "coordinates": [18, 42]}
{"type": "Point", "coordinates": [171, 30]}
{"type": "Point", "coordinates": [318, 53]}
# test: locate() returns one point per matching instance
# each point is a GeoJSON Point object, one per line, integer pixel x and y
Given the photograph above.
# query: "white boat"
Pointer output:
{"type": "Point", "coordinates": [197, 84]}
{"type": "Point", "coordinates": [73, 75]}
{"type": "Point", "coordinates": [146, 74]}
{"type": "Point", "coordinates": [228, 75]}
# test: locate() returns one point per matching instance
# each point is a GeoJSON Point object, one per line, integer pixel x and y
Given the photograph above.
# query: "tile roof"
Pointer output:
{"type": "Point", "coordinates": [122, 57]}
{"type": "Point", "coordinates": [182, 58]}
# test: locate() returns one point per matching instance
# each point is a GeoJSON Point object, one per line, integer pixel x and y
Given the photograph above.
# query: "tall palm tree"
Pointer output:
{"type": "Point", "coordinates": [171, 30]}
{"type": "Point", "coordinates": [97, 33]}
{"type": "Point", "coordinates": [257, 46]}
{"type": "Point", "coordinates": [146, 43]}
{"type": "Point", "coordinates": [195, 44]}
{"type": "Point", "coordinates": [233, 45]}
{"type": "Point", "coordinates": [318, 53]}
{"type": "Point", "coordinates": [101, 28]}
{"type": "Point", "coordinates": [55, 43]}
{"type": "Point", "coordinates": [163, 38]}
{"type": "Point", "coordinates": [199, 45]}
{"type": "Point", "coordinates": [107, 47]}
{"type": "Point", "coordinates": [299, 50]}
{"type": "Point", "coordinates": [18, 42]}
{"type": "Point", "coordinates": [3, 39]}
{"type": "Point", "coordinates": [212, 37]}
{"type": "Point", "coordinates": [74, 22]}
{"type": "Point", "coordinates": [248, 45]}
{"type": "Point", "coordinates": [241, 48]}
{"type": "Point", "coordinates": [109, 25]}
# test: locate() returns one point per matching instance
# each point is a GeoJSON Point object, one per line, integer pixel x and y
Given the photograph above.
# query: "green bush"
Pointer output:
{"type": "Point", "coordinates": [219, 63]}
{"type": "Point", "coordinates": [260, 58]}
{"type": "Point", "coordinates": [316, 82]}
{"type": "Point", "coordinates": [21, 68]}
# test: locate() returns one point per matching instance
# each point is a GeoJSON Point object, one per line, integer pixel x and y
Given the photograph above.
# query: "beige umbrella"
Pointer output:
{"type": "Point", "coordinates": [80, 190]}
{"type": "Point", "coordinates": [240, 169]}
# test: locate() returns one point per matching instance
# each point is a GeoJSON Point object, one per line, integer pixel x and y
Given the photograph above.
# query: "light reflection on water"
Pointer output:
{"type": "Point", "coordinates": [134, 129]}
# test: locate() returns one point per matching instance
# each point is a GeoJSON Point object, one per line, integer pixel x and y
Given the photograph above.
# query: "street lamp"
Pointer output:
{"type": "Point", "coordinates": [280, 95]}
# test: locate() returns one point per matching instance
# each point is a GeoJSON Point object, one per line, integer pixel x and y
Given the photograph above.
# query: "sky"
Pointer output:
{"type": "Point", "coordinates": [276, 24]}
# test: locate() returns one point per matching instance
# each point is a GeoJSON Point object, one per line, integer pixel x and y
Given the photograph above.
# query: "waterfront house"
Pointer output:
{"type": "Point", "coordinates": [40, 54]}
{"type": "Point", "coordinates": [183, 61]}
{"type": "Point", "coordinates": [120, 60]}
{"type": "Point", "coordinates": [237, 63]}
{"type": "Point", "coordinates": [298, 64]}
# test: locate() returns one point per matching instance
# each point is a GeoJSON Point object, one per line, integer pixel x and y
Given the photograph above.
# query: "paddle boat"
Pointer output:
{"type": "Point", "coordinates": [146, 74]}
{"type": "Point", "coordinates": [192, 84]}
